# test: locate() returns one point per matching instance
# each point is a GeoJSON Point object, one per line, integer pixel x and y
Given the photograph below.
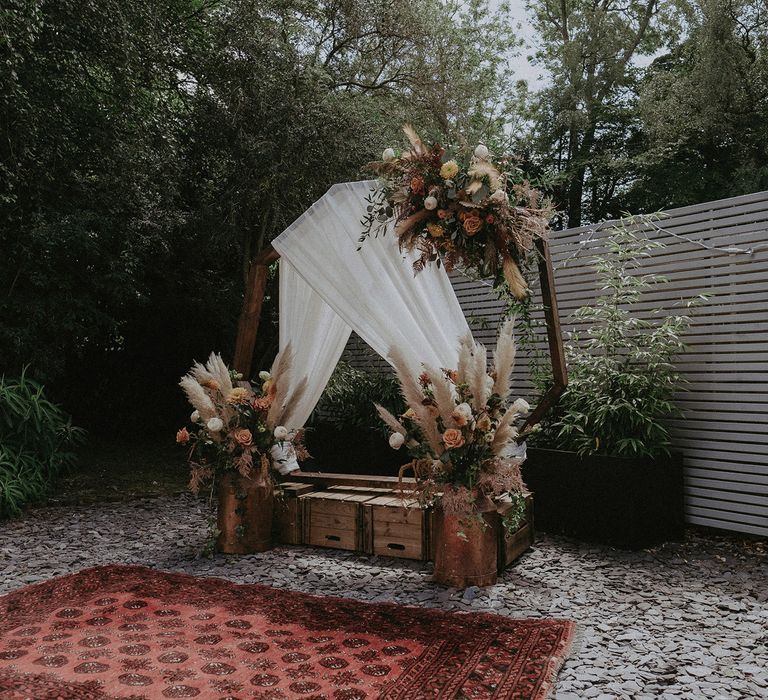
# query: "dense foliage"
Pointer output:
{"type": "Point", "coordinates": [148, 149]}
{"type": "Point", "coordinates": [622, 377]}
{"type": "Point", "coordinates": [348, 401]}
{"type": "Point", "coordinates": [36, 441]}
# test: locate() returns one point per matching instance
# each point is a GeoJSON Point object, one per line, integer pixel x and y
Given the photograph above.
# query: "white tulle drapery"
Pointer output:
{"type": "Point", "coordinates": [329, 287]}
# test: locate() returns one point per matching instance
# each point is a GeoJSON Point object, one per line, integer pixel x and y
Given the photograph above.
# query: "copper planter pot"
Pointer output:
{"type": "Point", "coordinates": [465, 561]}
{"type": "Point", "coordinates": [244, 517]}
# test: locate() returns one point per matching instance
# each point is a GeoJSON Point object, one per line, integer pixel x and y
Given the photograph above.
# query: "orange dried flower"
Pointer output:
{"type": "Point", "coordinates": [472, 224]}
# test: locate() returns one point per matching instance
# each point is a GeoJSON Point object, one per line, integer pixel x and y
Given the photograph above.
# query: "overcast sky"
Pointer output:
{"type": "Point", "coordinates": [523, 69]}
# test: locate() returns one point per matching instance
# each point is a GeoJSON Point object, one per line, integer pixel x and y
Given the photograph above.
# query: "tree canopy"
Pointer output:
{"type": "Point", "coordinates": [149, 149]}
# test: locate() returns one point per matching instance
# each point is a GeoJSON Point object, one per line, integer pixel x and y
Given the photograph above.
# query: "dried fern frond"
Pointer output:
{"type": "Point", "coordinates": [504, 359]}
{"type": "Point", "coordinates": [197, 397]}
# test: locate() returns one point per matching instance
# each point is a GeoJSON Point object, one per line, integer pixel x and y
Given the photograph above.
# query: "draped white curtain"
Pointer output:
{"type": "Point", "coordinates": [328, 287]}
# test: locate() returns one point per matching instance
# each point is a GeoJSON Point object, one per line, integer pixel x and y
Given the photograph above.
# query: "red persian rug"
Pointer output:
{"type": "Point", "coordinates": [132, 632]}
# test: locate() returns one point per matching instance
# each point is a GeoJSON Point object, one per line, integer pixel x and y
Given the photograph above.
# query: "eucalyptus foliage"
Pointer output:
{"type": "Point", "coordinates": [36, 441]}
{"type": "Point", "coordinates": [622, 377]}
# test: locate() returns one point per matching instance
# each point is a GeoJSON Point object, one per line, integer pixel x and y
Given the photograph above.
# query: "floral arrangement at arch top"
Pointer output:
{"type": "Point", "coordinates": [236, 427]}
{"type": "Point", "coordinates": [466, 207]}
{"type": "Point", "coordinates": [460, 428]}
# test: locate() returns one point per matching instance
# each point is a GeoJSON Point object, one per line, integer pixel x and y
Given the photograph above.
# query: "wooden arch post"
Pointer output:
{"type": "Point", "coordinates": [248, 325]}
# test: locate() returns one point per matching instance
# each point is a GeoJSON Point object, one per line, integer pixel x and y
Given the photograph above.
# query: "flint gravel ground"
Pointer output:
{"type": "Point", "coordinates": [686, 620]}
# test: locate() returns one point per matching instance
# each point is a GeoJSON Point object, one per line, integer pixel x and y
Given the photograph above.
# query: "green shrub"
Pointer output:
{"type": "Point", "coordinates": [36, 441]}
{"type": "Point", "coordinates": [621, 373]}
{"type": "Point", "coordinates": [347, 402]}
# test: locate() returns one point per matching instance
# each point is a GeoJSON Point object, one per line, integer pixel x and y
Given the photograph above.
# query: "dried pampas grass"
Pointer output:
{"type": "Point", "coordinates": [504, 360]}
{"type": "Point", "coordinates": [197, 397]}
{"type": "Point", "coordinates": [515, 280]}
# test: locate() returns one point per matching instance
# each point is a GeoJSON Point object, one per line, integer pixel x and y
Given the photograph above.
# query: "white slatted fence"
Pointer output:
{"type": "Point", "coordinates": [724, 433]}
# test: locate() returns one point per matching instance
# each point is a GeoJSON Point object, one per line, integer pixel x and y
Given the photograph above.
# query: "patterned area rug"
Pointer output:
{"type": "Point", "coordinates": [130, 632]}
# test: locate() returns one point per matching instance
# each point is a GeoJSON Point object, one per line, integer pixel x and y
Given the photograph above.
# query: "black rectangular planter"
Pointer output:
{"type": "Point", "coordinates": [631, 503]}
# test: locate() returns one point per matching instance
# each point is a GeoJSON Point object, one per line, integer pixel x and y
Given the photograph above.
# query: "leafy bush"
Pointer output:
{"type": "Point", "coordinates": [622, 379]}
{"type": "Point", "coordinates": [36, 438]}
{"type": "Point", "coordinates": [347, 402]}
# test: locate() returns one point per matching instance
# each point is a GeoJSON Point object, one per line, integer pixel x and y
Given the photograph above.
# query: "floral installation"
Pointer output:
{"type": "Point", "coordinates": [460, 429]}
{"type": "Point", "coordinates": [465, 206]}
{"type": "Point", "coordinates": [235, 425]}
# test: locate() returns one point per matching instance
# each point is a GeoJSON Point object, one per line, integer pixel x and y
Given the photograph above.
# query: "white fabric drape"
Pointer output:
{"type": "Point", "coordinates": [317, 335]}
{"type": "Point", "coordinates": [372, 291]}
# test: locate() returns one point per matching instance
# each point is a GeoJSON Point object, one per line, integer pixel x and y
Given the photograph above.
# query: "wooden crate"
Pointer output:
{"type": "Point", "coordinates": [513, 546]}
{"type": "Point", "coordinates": [334, 519]}
{"type": "Point", "coordinates": [394, 527]}
{"type": "Point", "coordinates": [287, 518]}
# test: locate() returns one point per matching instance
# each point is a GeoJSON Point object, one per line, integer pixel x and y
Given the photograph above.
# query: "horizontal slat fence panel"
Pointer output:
{"type": "Point", "coordinates": [724, 432]}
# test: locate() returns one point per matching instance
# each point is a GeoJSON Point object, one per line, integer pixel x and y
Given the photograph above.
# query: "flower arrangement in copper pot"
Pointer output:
{"type": "Point", "coordinates": [460, 428]}
{"type": "Point", "coordinates": [236, 426]}
{"type": "Point", "coordinates": [460, 207]}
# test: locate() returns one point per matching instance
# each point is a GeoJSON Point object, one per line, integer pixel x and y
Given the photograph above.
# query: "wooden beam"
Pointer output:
{"type": "Point", "coordinates": [250, 315]}
{"type": "Point", "coordinates": [554, 339]}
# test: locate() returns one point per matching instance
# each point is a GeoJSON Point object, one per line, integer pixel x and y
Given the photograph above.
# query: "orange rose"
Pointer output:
{"type": "Point", "coordinates": [472, 224]}
{"type": "Point", "coordinates": [452, 438]}
{"type": "Point", "coordinates": [417, 185]}
{"type": "Point", "coordinates": [182, 437]}
{"type": "Point", "coordinates": [243, 437]}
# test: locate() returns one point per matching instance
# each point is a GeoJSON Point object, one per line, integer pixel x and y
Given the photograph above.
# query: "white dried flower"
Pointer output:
{"type": "Point", "coordinates": [482, 152]}
{"type": "Point", "coordinates": [195, 417]}
{"type": "Point", "coordinates": [500, 197]}
{"type": "Point", "coordinates": [396, 441]}
{"type": "Point", "coordinates": [462, 414]}
{"type": "Point", "coordinates": [264, 375]}
{"type": "Point", "coordinates": [215, 425]}
{"type": "Point", "coordinates": [430, 203]}
{"type": "Point", "coordinates": [388, 155]}
{"type": "Point", "coordinates": [281, 433]}
{"type": "Point", "coordinates": [521, 406]}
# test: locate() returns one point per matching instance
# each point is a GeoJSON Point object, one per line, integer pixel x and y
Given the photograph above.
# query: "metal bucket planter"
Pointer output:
{"type": "Point", "coordinates": [244, 517]}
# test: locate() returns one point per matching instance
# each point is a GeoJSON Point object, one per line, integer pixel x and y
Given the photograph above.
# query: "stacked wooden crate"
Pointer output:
{"type": "Point", "coordinates": [371, 520]}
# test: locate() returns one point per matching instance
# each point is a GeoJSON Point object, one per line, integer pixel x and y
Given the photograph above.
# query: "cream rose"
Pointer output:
{"type": "Point", "coordinates": [195, 417]}
{"type": "Point", "coordinates": [388, 155]}
{"type": "Point", "coordinates": [215, 425]}
{"type": "Point", "coordinates": [521, 406]}
{"type": "Point", "coordinates": [462, 414]}
{"type": "Point", "coordinates": [281, 433]}
{"type": "Point", "coordinates": [430, 203]}
{"type": "Point", "coordinates": [396, 441]}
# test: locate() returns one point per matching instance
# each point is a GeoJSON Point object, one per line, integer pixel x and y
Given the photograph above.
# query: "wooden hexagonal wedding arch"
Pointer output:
{"type": "Point", "coordinates": [254, 296]}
